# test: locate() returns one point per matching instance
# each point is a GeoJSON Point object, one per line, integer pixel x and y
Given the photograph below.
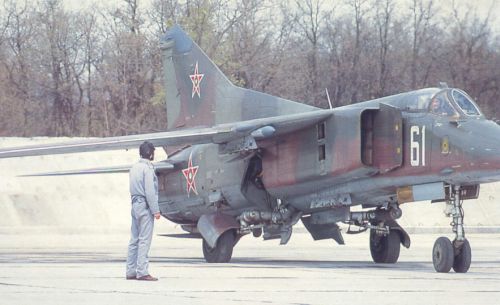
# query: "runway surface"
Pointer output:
{"type": "Point", "coordinates": [38, 267]}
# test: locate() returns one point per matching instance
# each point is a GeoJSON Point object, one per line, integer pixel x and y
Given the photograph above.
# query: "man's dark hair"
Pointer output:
{"type": "Point", "coordinates": [146, 150]}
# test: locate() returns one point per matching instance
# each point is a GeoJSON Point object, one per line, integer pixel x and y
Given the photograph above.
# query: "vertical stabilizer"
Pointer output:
{"type": "Point", "coordinates": [199, 94]}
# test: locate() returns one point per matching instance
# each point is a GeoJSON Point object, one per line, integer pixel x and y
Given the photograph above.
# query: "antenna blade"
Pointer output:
{"type": "Point", "coordinates": [328, 97]}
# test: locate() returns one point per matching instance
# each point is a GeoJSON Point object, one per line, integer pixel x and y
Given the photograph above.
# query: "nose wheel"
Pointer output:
{"type": "Point", "coordinates": [462, 260]}
{"type": "Point", "coordinates": [443, 255]}
{"type": "Point", "coordinates": [456, 254]}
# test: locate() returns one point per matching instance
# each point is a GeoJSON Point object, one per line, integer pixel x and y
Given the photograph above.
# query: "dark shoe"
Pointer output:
{"type": "Point", "coordinates": [131, 277]}
{"type": "Point", "coordinates": [147, 278]}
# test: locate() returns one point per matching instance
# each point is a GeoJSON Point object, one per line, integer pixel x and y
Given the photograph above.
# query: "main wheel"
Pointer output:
{"type": "Point", "coordinates": [442, 255]}
{"type": "Point", "coordinates": [223, 249]}
{"type": "Point", "coordinates": [257, 232]}
{"type": "Point", "coordinates": [385, 249]}
{"type": "Point", "coordinates": [462, 261]}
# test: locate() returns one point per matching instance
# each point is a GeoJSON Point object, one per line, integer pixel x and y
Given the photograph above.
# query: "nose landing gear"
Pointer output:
{"type": "Point", "coordinates": [446, 254]}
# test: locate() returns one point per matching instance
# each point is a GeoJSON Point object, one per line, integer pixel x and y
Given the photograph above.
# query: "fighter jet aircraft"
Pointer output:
{"type": "Point", "coordinates": [251, 163]}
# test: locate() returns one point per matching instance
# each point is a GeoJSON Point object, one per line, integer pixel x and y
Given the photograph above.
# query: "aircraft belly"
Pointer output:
{"type": "Point", "coordinates": [321, 184]}
{"type": "Point", "coordinates": [369, 191]}
{"type": "Point", "coordinates": [180, 210]}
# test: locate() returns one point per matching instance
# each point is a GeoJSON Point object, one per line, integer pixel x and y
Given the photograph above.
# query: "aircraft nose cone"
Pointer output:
{"type": "Point", "coordinates": [484, 144]}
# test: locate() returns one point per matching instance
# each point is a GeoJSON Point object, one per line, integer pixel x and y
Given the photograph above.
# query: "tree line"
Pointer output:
{"type": "Point", "coordinates": [97, 71]}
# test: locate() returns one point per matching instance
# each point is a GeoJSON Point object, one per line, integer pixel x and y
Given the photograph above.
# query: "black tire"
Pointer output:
{"type": "Point", "coordinates": [462, 261]}
{"type": "Point", "coordinates": [223, 249]}
{"type": "Point", "coordinates": [385, 249]}
{"type": "Point", "coordinates": [442, 255]}
{"type": "Point", "coordinates": [257, 232]}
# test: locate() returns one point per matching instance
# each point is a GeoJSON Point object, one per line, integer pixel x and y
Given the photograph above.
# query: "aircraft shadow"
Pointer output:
{"type": "Point", "coordinates": [198, 261]}
{"type": "Point", "coordinates": [252, 262]}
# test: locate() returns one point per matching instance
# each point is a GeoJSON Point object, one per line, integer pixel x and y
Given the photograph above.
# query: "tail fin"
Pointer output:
{"type": "Point", "coordinates": [199, 94]}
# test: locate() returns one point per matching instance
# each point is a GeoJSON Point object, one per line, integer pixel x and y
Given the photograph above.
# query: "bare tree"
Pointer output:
{"type": "Point", "coordinates": [422, 16]}
{"type": "Point", "coordinates": [164, 13]}
{"type": "Point", "coordinates": [471, 56]}
{"type": "Point", "coordinates": [384, 15]}
{"type": "Point", "coordinates": [309, 18]}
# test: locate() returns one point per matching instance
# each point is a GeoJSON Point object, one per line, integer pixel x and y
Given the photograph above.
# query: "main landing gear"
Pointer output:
{"type": "Point", "coordinates": [223, 249]}
{"type": "Point", "coordinates": [385, 248]}
{"type": "Point", "coordinates": [456, 254]}
{"type": "Point", "coordinates": [386, 235]}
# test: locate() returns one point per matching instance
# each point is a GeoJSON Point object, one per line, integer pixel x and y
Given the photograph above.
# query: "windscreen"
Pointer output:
{"type": "Point", "coordinates": [465, 103]}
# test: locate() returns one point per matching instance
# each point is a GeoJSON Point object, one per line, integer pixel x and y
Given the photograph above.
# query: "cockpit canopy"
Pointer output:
{"type": "Point", "coordinates": [447, 102]}
{"type": "Point", "coordinates": [464, 102]}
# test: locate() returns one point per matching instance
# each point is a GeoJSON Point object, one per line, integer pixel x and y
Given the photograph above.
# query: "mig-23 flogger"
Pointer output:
{"type": "Point", "coordinates": [249, 162]}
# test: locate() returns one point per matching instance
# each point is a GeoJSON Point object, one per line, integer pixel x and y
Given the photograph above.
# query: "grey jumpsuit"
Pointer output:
{"type": "Point", "coordinates": [144, 194]}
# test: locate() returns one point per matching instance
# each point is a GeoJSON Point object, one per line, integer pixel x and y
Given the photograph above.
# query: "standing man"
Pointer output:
{"type": "Point", "coordinates": [144, 193]}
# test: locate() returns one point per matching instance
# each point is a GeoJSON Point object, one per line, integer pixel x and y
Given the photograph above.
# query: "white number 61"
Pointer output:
{"type": "Point", "coordinates": [417, 148]}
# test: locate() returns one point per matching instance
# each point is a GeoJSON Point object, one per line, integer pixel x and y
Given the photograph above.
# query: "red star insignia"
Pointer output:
{"type": "Point", "coordinates": [189, 173]}
{"type": "Point", "coordinates": [196, 80]}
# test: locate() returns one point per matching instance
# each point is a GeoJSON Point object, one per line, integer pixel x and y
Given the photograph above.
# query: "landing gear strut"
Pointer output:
{"type": "Point", "coordinates": [456, 255]}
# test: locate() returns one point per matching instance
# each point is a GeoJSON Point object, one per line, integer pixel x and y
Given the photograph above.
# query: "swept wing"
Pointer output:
{"type": "Point", "coordinates": [218, 134]}
{"type": "Point", "coordinates": [159, 166]}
